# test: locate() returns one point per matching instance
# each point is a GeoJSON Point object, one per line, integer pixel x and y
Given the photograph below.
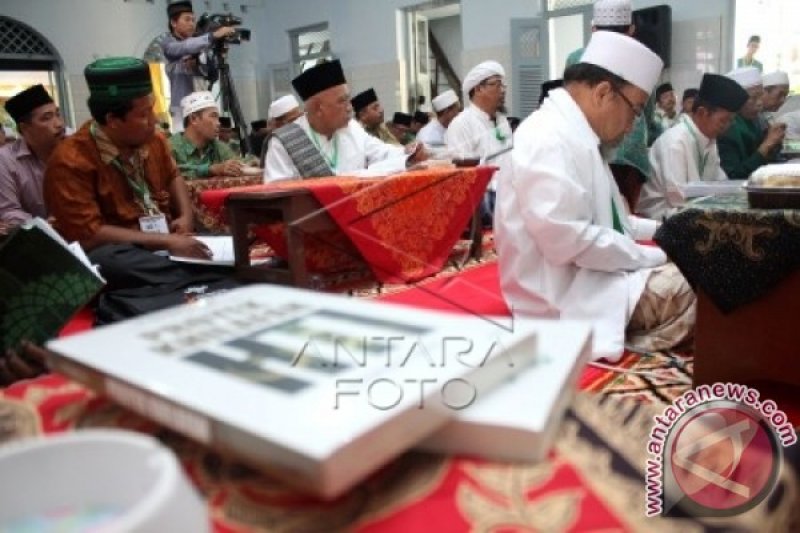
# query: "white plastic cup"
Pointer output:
{"type": "Point", "coordinates": [103, 480]}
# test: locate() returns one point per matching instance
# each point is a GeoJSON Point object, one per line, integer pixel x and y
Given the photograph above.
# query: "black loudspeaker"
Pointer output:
{"type": "Point", "coordinates": [654, 30]}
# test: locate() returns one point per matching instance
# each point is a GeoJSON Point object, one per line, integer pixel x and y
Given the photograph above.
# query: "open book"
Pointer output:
{"type": "Point", "coordinates": [319, 390]}
{"type": "Point", "coordinates": [43, 282]}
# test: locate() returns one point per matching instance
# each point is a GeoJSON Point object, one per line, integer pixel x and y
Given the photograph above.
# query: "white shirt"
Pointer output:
{"type": "Point", "coordinates": [432, 133]}
{"type": "Point", "coordinates": [349, 150]}
{"type": "Point", "coordinates": [662, 118]}
{"type": "Point", "coordinates": [679, 155]}
{"type": "Point", "coordinates": [474, 134]}
{"type": "Point", "coordinates": [558, 254]}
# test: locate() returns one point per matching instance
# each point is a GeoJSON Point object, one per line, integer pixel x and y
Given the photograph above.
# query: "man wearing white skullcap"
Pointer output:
{"type": "Point", "coordinates": [608, 15]}
{"type": "Point", "coordinates": [566, 244]}
{"type": "Point", "coordinates": [482, 129]}
{"type": "Point", "coordinates": [284, 110]}
{"type": "Point", "coordinates": [281, 111]}
{"type": "Point", "coordinates": [197, 149]}
{"type": "Point", "coordinates": [447, 107]}
{"type": "Point", "coordinates": [630, 164]}
{"type": "Point", "coordinates": [776, 89]}
{"type": "Point", "coordinates": [745, 146]}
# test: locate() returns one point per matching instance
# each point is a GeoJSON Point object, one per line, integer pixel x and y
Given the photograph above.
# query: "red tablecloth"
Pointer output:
{"type": "Point", "coordinates": [403, 226]}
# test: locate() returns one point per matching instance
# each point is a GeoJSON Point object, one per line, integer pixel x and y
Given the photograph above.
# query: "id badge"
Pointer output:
{"type": "Point", "coordinates": [154, 224]}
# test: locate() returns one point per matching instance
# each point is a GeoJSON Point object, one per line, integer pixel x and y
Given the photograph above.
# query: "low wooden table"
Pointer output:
{"type": "Point", "coordinates": [301, 214]}
{"type": "Point", "coordinates": [297, 209]}
{"type": "Point", "coordinates": [744, 264]}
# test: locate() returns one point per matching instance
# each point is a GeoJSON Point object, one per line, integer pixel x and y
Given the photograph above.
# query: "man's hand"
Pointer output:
{"type": "Point", "coordinates": [416, 152]}
{"type": "Point", "coordinates": [224, 31]}
{"type": "Point", "coordinates": [774, 138]}
{"type": "Point", "coordinates": [14, 366]}
{"type": "Point", "coordinates": [183, 225]}
{"type": "Point", "coordinates": [231, 167]}
{"type": "Point", "coordinates": [186, 246]}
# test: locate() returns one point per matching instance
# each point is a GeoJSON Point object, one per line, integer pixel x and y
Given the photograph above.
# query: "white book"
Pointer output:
{"type": "Point", "coordinates": [221, 247]}
{"type": "Point", "coordinates": [317, 389]}
{"type": "Point", "coordinates": [518, 420]}
{"type": "Point", "coordinates": [695, 189]}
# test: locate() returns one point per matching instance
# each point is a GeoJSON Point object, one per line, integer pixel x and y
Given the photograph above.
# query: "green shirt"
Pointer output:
{"type": "Point", "coordinates": [742, 62]}
{"type": "Point", "coordinates": [194, 162]}
{"type": "Point", "coordinates": [574, 57]}
{"type": "Point", "coordinates": [738, 148]}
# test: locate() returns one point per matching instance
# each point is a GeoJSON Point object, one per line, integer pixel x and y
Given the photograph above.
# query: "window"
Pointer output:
{"type": "Point", "coordinates": [309, 45]}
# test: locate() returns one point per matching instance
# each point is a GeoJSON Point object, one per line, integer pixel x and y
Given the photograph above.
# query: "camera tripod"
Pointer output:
{"type": "Point", "coordinates": [229, 100]}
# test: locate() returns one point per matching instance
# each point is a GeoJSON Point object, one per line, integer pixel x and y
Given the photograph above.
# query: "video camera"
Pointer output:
{"type": "Point", "coordinates": [208, 23]}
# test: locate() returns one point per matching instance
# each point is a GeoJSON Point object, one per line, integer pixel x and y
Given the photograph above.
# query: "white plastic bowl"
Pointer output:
{"type": "Point", "coordinates": [102, 480]}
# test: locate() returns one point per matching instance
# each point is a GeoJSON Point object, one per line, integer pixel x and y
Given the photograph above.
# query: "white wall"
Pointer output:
{"type": "Point", "coordinates": [701, 39]}
{"type": "Point", "coordinates": [363, 35]}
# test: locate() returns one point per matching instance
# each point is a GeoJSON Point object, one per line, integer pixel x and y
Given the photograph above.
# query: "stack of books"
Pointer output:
{"type": "Point", "coordinates": [321, 390]}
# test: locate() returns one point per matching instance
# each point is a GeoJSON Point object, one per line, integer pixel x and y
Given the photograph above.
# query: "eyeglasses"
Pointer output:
{"type": "Point", "coordinates": [495, 83]}
{"type": "Point", "coordinates": [637, 112]}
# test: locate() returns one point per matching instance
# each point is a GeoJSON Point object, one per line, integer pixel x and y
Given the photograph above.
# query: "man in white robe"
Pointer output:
{"type": "Point", "coordinates": [447, 107]}
{"type": "Point", "coordinates": [482, 130]}
{"type": "Point", "coordinates": [344, 146]}
{"type": "Point", "coordinates": [688, 151]}
{"type": "Point", "coordinates": [565, 243]}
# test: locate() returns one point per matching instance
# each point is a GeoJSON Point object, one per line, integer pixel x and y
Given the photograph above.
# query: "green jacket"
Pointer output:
{"type": "Point", "coordinates": [738, 148]}
{"type": "Point", "coordinates": [195, 163]}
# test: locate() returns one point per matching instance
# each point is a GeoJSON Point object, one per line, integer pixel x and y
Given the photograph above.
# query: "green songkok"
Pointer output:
{"type": "Point", "coordinates": [118, 79]}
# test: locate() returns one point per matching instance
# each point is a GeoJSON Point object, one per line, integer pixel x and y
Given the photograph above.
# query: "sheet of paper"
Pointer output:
{"type": "Point", "coordinates": [221, 251]}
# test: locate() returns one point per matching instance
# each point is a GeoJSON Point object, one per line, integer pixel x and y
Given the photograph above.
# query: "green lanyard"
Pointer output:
{"type": "Point", "coordinates": [701, 158]}
{"type": "Point", "coordinates": [135, 180]}
{"type": "Point", "coordinates": [333, 160]}
{"type": "Point", "coordinates": [615, 217]}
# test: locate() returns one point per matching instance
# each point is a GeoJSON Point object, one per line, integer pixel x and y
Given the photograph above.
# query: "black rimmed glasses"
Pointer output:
{"type": "Point", "coordinates": [637, 112]}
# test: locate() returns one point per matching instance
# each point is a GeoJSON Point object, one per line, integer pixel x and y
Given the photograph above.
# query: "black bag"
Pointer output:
{"type": "Point", "coordinates": [140, 282]}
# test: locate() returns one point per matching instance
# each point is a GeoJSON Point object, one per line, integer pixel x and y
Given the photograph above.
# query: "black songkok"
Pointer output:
{"type": "Point", "coordinates": [318, 78]}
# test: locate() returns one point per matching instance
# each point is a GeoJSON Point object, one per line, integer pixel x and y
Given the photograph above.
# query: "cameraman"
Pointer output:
{"type": "Point", "coordinates": [180, 48]}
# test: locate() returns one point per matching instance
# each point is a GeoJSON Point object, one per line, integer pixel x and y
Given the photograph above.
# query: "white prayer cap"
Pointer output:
{"type": "Point", "coordinates": [612, 13]}
{"type": "Point", "coordinates": [778, 77]}
{"type": "Point", "coordinates": [747, 77]}
{"type": "Point", "coordinates": [197, 101]}
{"type": "Point", "coordinates": [281, 106]}
{"type": "Point", "coordinates": [487, 69]}
{"type": "Point", "coordinates": [624, 56]}
{"type": "Point", "coordinates": [444, 100]}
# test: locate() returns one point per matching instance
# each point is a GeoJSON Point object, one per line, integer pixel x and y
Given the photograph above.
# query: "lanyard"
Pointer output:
{"type": "Point", "coordinates": [702, 158]}
{"type": "Point", "coordinates": [333, 160]}
{"type": "Point", "coordinates": [615, 217]}
{"type": "Point", "coordinates": [135, 180]}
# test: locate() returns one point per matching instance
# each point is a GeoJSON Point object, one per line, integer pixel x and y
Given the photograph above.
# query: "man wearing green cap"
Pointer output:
{"type": "Point", "coordinates": [114, 187]}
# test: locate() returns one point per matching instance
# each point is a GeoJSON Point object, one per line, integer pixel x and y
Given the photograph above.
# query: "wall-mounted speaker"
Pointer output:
{"type": "Point", "coordinates": [654, 30]}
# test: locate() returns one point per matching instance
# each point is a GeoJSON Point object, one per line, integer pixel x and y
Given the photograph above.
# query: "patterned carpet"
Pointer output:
{"type": "Point", "coordinates": [656, 378]}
